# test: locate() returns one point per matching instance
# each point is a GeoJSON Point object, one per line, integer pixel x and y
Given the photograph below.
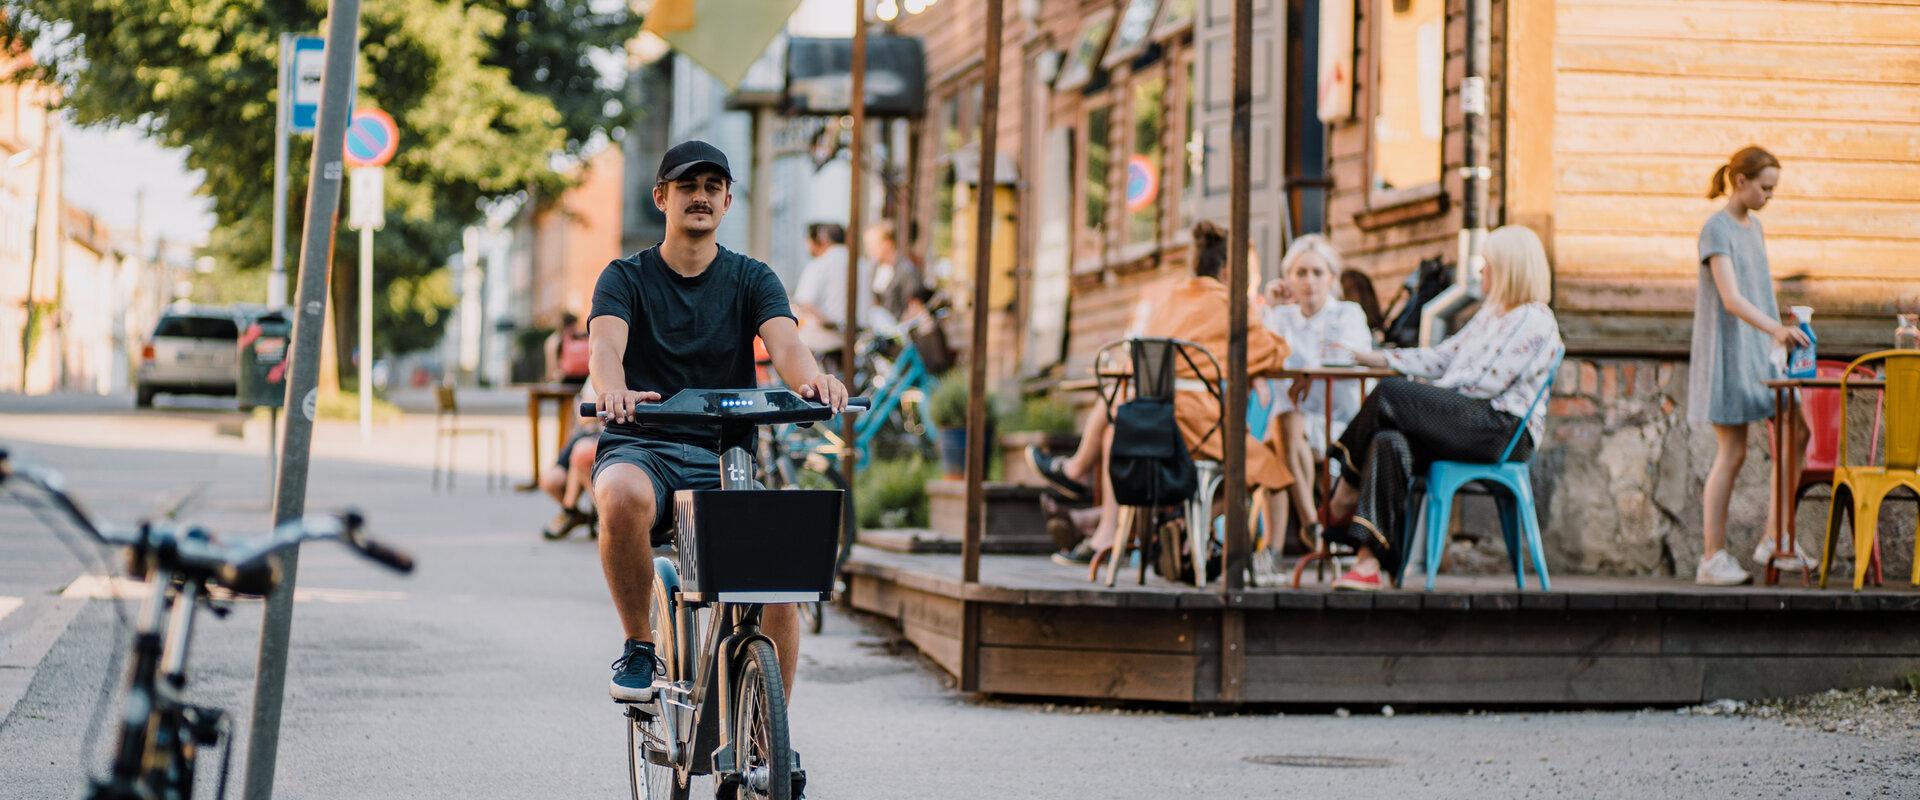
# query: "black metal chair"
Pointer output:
{"type": "Point", "coordinates": [1154, 374]}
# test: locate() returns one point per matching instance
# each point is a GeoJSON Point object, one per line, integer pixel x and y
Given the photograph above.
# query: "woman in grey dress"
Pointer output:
{"type": "Point", "coordinates": [1736, 326]}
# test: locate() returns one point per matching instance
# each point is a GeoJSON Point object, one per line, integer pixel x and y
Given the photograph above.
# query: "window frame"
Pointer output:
{"type": "Point", "coordinates": [1378, 198]}
{"type": "Point", "coordinates": [1096, 32]}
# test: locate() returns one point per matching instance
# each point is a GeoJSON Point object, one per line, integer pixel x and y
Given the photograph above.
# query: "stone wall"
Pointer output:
{"type": "Point", "coordinates": [1621, 476]}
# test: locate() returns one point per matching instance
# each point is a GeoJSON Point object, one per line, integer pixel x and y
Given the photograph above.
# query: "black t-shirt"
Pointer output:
{"type": "Point", "coordinates": [688, 333]}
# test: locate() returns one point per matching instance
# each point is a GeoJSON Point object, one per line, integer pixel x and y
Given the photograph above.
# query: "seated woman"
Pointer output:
{"type": "Point", "coordinates": [1195, 310]}
{"type": "Point", "coordinates": [1482, 381]}
{"type": "Point", "coordinates": [1318, 324]}
{"type": "Point", "coordinates": [568, 479]}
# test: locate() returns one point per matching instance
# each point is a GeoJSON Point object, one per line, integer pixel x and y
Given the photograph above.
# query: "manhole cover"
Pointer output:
{"type": "Point", "coordinates": [1323, 762]}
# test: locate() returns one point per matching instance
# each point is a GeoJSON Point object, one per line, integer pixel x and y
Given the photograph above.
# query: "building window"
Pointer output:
{"type": "Point", "coordinates": [1096, 166]}
{"type": "Point", "coordinates": [1146, 161]}
{"type": "Point", "coordinates": [1088, 47]}
{"type": "Point", "coordinates": [958, 132]}
{"type": "Point", "coordinates": [1130, 35]}
{"type": "Point", "coordinates": [1409, 48]}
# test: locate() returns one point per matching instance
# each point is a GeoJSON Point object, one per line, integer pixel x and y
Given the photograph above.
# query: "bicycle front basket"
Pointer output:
{"type": "Point", "coordinates": [757, 546]}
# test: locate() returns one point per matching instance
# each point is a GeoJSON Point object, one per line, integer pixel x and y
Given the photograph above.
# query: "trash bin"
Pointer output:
{"type": "Point", "coordinates": [263, 361]}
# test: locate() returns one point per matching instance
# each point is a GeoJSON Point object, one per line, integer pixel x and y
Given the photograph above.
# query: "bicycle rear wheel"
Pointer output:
{"type": "Point", "coordinates": [760, 744]}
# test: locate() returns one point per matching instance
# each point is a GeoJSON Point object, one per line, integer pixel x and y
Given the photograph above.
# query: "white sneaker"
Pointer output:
{"type": "Point", "coordinates": [1794, 561]}
{"type": "Point", "coordinates": [1720, 570]}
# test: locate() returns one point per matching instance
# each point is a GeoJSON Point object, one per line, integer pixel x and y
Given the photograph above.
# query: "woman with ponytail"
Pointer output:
{"type": "Point", "coordinates": [1736, 327]}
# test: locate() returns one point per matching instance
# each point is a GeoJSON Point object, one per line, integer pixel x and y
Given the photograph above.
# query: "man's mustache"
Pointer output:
{"type": "Point", "coordinates": [699, 208]}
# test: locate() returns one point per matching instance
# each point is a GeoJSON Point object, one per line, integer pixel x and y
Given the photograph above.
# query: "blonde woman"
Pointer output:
{"type": "Point", "coordinates": [1479, 385]}
{"type": "Point", "coordinates": [1315, 322]}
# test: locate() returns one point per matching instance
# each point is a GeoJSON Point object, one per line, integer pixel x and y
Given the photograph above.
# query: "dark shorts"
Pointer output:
{"type": "Point", "coordinates": [670, 465]}
{"type": "Point", "coordinates": [565, 461]}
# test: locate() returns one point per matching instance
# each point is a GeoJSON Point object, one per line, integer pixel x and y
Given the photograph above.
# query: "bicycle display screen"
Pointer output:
{"type": "Point", "coordinates": [736, 403]}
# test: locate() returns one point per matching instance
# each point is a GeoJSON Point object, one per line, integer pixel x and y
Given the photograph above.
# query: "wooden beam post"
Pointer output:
{"type": "Point", "coordinates": [856, 162]}
{"type": "Point", "coordinates": [1235, 430]}
{"type": "Point", "coordinates": [977, 443]}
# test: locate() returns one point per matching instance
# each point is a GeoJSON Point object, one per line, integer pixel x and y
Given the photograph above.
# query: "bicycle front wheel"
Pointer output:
{"type": "Point", "coordinates": [760, 744]}
{"type": "Point", "coordinates": [649, 776]}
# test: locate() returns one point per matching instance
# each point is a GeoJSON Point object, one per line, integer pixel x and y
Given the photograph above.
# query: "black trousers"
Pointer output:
{"type": "Point", "coordinates": [1401, 429]}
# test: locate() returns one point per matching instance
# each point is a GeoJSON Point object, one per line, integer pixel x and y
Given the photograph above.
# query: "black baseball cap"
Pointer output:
{"type": "Point", "coordinates": [689, 154]}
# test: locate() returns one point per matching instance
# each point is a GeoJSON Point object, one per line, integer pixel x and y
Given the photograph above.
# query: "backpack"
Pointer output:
{"type": "Point", "coordinates": [1427, 282]}
{"type": "Point", "coordinates": [575, 354]}
{"type": "Point", "coordinates": [1148, 460]}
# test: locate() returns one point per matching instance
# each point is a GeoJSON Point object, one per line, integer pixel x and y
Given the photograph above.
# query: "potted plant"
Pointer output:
{"type": "Point", "coordinates": [949, 407]}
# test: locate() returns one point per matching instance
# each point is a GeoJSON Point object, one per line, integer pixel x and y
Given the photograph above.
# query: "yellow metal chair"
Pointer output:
{"type": "Point", "coordinates": [1858, 490]}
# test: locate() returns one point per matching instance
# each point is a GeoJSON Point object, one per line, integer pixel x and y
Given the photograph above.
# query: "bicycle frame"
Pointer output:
{"type": "Point", "coordinates": [156, 720]}
{"type": "Point", "coordinates": [734, 626]}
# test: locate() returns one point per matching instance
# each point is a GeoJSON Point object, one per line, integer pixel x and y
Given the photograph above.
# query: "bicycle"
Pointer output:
{"type": "Point", "coordinates": [720, 707]}
{"type": "Point", "coordinates": [161, 735]}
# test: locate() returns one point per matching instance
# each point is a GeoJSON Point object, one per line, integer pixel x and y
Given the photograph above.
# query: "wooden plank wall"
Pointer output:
{"type": "Point", "coordinates": [951, 34]}
{"type": "Point", "coordinates": [1389, 252]}
{"type": "Point", "coordinates": [1652, 95]}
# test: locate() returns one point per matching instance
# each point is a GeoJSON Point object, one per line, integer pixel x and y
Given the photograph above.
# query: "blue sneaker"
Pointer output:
{"type": "Point", "coordinates": [633, 673]}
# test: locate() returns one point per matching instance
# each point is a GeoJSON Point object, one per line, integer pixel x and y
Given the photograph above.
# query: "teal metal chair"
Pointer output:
{"type": "Point", "coordinates": [1519, 521]}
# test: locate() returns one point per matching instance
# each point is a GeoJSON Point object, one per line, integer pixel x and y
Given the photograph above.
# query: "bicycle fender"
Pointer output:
{"type": "Point", "coordinates": [668, 573]}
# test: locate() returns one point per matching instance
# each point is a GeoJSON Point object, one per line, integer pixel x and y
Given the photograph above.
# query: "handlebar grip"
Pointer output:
{"type": "Point", "coordinates": [397, 560]}
{"type": "Point", "coordinates": [254, 578]}
{"type": "Point", "coordinates": [589, 410]}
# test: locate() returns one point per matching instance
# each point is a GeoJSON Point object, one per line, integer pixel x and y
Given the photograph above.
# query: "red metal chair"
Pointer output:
{"type": "Point", "coordinates": [1823, 411]}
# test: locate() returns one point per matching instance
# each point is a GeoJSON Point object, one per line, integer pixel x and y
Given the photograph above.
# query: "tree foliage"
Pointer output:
{"type": "Point", "coordinates": [489, 95]}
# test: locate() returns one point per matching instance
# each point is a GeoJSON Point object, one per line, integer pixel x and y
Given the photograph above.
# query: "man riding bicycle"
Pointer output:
{"type": "Point", "coordinates": [680, 315]}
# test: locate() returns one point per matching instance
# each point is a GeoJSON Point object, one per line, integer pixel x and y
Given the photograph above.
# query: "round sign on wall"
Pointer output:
{"type": "Point", "coordinates": [1143, 183]}
{"type": "Point", "coordinates": [372, 138]}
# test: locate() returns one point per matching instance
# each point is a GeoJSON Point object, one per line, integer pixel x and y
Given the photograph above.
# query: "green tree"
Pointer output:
{"type": "Point", "coordinates": [489, 95]}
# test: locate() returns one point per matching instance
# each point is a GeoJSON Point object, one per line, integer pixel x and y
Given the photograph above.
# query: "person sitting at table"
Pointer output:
{"type": "Point", "coordinates": [1306, 309]}
{"type": "Point", "coordinates": [1482, 380]}
{"type": "Point", "coordinates": [567, 352]}
{"type": "Point", "coordinates": [567, 479]}
{"type": "Point", "coordinates": [1195, 310]}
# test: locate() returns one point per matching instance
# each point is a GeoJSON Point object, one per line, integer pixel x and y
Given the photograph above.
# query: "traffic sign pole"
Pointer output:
{"type": "Point", "coordinates": [277, 279]}
{"type": "Point", "coordinates": [290, 491]}
{"type": "Point", "coordinates": [372, 137]}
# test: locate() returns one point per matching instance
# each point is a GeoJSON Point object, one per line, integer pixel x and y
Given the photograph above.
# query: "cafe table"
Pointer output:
{"type": "Point", "coordinates": [1786, 406]}
{"type": "Point", "coordinates": [538, 395]}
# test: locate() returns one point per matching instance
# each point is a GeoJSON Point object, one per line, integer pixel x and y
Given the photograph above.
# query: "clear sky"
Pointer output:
{"type": "Point", "coordinates": [107, 167]}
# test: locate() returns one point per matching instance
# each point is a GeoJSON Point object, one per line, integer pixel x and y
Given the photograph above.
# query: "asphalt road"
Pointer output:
{"type": "Point", "coordinates": [483, 674]}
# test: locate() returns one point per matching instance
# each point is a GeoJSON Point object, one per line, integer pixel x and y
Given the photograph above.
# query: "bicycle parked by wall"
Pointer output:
{"type": "Point", "coordinates": [161, 735]}
{"type": "Point", "coordinates": [720, 707]}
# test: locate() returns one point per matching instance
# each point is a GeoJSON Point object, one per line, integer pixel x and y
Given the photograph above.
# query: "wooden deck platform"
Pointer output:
{"type": "Point", "coordinates": [1036, 629]}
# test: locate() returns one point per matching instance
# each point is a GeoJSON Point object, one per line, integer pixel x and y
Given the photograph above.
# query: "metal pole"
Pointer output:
{"type": "Point", "coordinates": [33, 243]}
{"type": "Point", "coordinates": [290, 492]}
{"type": "Point", "coordinates": [760, 216]}
{"type": "Point", "coordinates": [1237, 220]}
{"type": "Point", "coordinates": [277, 279]}
{"type": "Point", "coordinates": [856, 162]}
{"type": "Point", "coordinates": [273, 448]}
{"type": "Point", "coordinates": [982, 276]}
{"type": "Point", "coordinates": [363, 353]}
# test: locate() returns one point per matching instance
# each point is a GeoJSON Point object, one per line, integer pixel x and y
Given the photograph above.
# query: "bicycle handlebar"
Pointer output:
{"type": "Point", "coordinates": [714, 406]}
{"type": "Point", "coordinates": [245, 567]}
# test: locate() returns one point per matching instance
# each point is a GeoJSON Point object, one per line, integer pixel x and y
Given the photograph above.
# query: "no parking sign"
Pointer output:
{"type": "Point", "coordinates": [372, 138]}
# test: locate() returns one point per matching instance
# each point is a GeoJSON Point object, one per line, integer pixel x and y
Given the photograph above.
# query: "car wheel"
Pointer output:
{"type": "Point", "coordinates": [143, 397]}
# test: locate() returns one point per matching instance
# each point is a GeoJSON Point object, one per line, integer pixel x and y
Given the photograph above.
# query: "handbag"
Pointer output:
{"type": "Point", "coordinates": [1148, 460]}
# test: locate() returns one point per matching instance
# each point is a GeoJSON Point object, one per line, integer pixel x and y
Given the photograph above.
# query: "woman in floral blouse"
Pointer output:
{"type": "Point", "coordinates": [1479, 386]}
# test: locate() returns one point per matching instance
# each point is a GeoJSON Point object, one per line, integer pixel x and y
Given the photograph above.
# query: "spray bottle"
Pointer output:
{"type": "Point", "coordinates": [1801, 361]}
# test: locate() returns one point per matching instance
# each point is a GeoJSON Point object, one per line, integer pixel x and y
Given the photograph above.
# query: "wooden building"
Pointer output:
{"type": "Point", "coordinates": [1607, 119]}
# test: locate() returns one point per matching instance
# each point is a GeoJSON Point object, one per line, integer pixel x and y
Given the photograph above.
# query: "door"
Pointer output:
{"type": "Point", "coordinates": [1213, 120]}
